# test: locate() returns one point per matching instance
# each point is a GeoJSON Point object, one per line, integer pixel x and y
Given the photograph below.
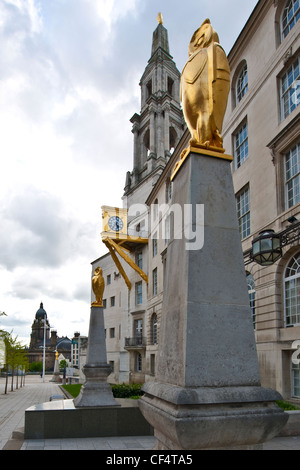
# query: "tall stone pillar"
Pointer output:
{"type": "Point", "coordinates": [135, 130]}
{"type": "Point", "coordinates": [160, 133]}
{"type": "Point", "coordinates": [167, 128]}
{"type": "Point", "coordinates": [207, 392]}
{"type": "Point", "coordinates": [152, 131]}
{"type": "Point", "coordinates": [95, 390]}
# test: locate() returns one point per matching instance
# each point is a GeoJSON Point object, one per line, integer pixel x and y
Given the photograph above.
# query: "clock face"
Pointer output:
{"type": "Point", "coordinates": [115, 223]}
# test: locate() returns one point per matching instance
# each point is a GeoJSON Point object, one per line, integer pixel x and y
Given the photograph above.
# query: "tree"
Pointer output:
{"type": "Point", "coordinates": [36, 366]}
{"type": "Point", "coordinates": [2, 344]}
{"type": "Point", "coordinates": [15, 358]}
{"type": "Point", "coordinates": [63, 364]}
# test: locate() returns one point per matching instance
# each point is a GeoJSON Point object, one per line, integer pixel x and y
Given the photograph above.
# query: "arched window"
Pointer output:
{"type": "Point", "coordinates": [168, 190]}
{"type": "Point", "coordinates": [290, 16]}
{"type": "Point", "coordinates": [292, 292]}
{"type": "Point", "coordinates": [154, 329]}
{"type": "Point", "coordinates": [251, 292]}
{"type": "Point", "coordinates": [173, 139]}
{"type": "Point", "coordinates": [242, 83]}
{"type": "Point", "coordinates": [239, 84]}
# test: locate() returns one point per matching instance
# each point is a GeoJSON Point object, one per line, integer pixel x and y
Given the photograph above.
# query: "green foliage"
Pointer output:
{"type": "Point", "coordinates": [36, 366]}
{"type": "Point", "coordinates": [127, 390]}
{"type": "Point", "coordinates": [15, 358]}
{"type": "Point", "coordinates": [119, 391]}
{"type": "Point", "coordinates": [63, 364]}
{"type": "Point", "coordinates": [286, 406]}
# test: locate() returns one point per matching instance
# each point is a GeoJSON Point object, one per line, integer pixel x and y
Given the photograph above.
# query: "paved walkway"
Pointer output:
{"type": "Point", "coordinates": [12, 414]}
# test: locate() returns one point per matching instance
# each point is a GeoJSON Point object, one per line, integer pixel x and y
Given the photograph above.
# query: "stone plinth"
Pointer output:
{"type": "Point", "coordinates": [61, 420]}
{"type": "Point", "coordinates": [207, 391]}
{"type": "Point", "coordinates": [95, 390]}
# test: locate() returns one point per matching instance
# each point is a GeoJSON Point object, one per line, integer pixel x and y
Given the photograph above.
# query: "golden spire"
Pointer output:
{"type": "Point", "coordinates": [160, 18]}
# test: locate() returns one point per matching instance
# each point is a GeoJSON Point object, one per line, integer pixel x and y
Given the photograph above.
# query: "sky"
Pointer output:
{"type": "Point", "coordinates": [69, 84]}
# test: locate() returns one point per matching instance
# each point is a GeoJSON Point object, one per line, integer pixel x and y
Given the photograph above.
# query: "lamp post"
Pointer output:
{"type": "Point", "coordinates": [267, 246]}
{"type": "Point", "coordinates": [44, 347]}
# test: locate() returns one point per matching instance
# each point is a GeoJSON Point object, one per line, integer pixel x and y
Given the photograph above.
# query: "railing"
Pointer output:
{"type": "Point", "coordinates": [136, 342]}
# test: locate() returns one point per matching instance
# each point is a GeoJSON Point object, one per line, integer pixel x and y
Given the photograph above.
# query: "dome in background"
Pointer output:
{"type": "Point", "coordinates": [41, 313]}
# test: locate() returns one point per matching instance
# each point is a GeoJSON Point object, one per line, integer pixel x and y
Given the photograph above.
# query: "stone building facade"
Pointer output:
{"type": "Point", "coordinates": [262, 132]}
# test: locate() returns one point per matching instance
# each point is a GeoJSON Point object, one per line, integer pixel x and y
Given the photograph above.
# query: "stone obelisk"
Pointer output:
{"type": "Point", "coordinates": [95, 390]}
{"type": "Point", "coordinates": [55, 377]}
{"type": "Point", "coordinates": [207, 392]}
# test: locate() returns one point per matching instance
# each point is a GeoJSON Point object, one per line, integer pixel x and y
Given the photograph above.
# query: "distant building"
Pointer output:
{"type": "Point", "coordinates": [53, 343]}
{"type": "Point", "coordinates": [78, 353]}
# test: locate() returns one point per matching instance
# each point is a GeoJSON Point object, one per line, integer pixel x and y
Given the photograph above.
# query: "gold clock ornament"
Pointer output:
{"type": "Point", "coordinates": [114, 220]}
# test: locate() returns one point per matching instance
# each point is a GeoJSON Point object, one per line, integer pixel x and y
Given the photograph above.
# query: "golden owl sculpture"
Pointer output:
{"type": "Point", "coordinates": [205, 84]}
{"type": "Point", "coordinates": [98, 285]}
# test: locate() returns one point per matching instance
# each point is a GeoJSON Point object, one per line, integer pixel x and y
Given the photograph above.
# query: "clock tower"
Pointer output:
{"type": "Point", "coordinates": [159, 126]}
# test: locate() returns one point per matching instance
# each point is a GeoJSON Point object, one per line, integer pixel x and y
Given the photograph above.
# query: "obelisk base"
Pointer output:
{"type": "Point", "coordinates": [208, 418]}
{"type": "Point", "coordinates": [95, 390]}
{"type": "Point", "coordinates": [55, 377]}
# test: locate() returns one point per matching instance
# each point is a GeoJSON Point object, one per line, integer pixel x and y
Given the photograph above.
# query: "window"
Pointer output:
{"type": "Point", "coordinates": [167, 228]}
{"type": "Point", "coordinates": [240, 143]}
{"type": "Point", "coordinates": [154, 329]}
{"type": "Point", "coordinates": [251, 293]}
{"type": "Point", "coordinates": [154, 279]}
{"type": "Point", "coordinates": [112, 301]}
{"type": "Point", "coordinates": [291, 292]}
{"type": "Point", "coordinates": [108, 279]}
{"type": "Point", "coordinates": [149, 89]}
{"type": "Point", "coordinates": [111, 332]}
{"type": "Point", "coordinates": [139, 259]}
{"type": "Point", "coordinates": [154, 245]}
{"type": "Point", "coordinates": [169, 191]}
{"type": "Point", "coordinates": [139, 293]}
{"type": "Point", "coordinates": [152, 364]}
{"type": "Point", "coordinates": [296, 380]}
{"type": "Point", "coordinates": [104, 303]}
{"type": "Point", "coordinates": [290, 16]}
{"type": "Point", "coordinates": [243, 209]}
{"type": "Point", "coordinates": [112, 365]}
{"type": "Point", "coordinates": [292, 176]}
{"type": "Point", "coordinates": [138, 362]}
{"type": "Point", "coordinates": [138, 331]}
{"type": "Point", "coordinates": [290, 89]}
{"type": "Point", "coordinates": [154, 209]}
{"type": "Point", "coordinates": [138, 327]}
{"type": "Point", "coordinates": [242, 84]}
{"type": "Point", "coordinates": [170, 86]}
